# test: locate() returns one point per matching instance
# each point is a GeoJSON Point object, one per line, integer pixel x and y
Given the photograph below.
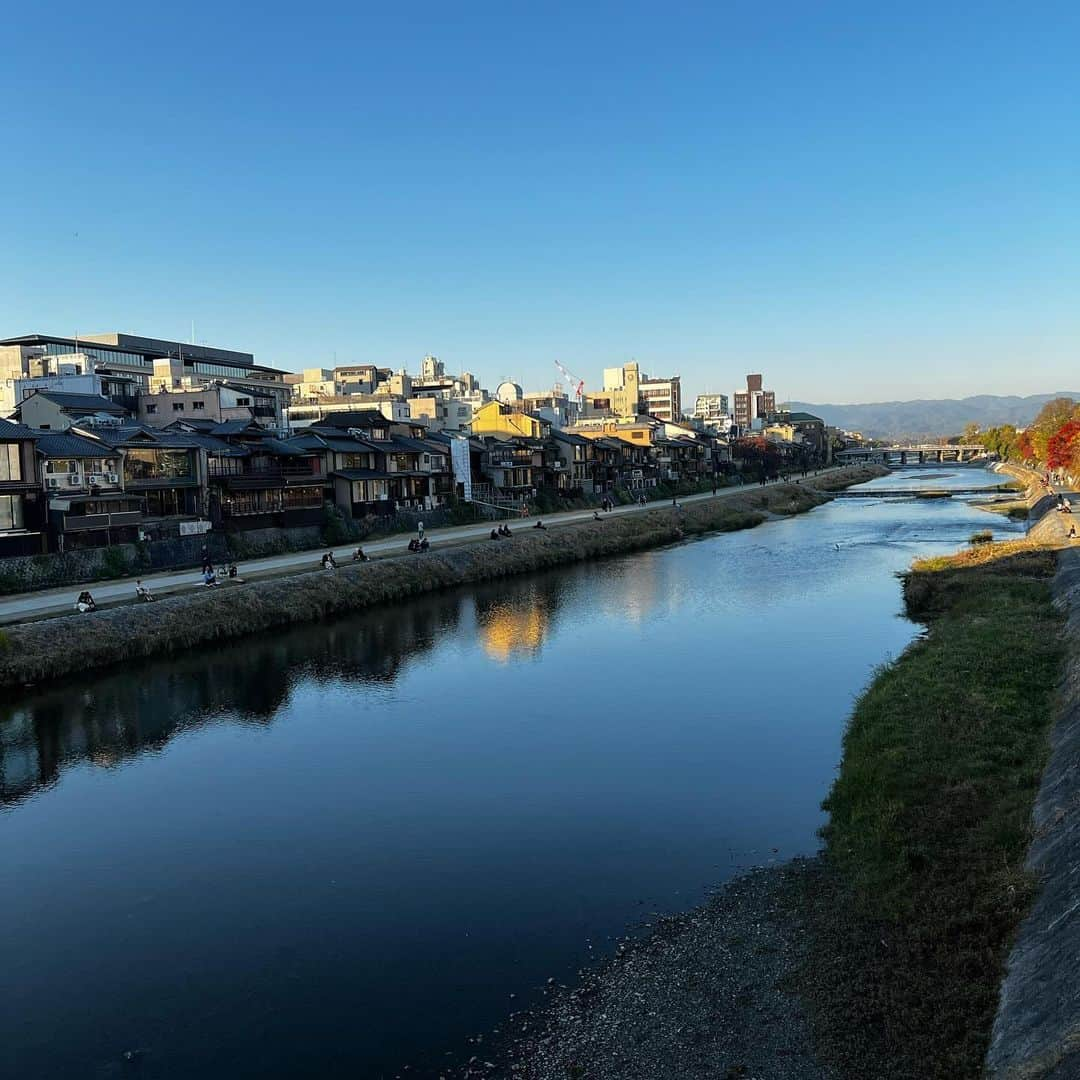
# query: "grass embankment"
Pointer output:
{"type": "Point", "coordinates": [930, 818]}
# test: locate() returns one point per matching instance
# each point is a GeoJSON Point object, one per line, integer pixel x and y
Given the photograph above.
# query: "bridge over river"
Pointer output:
{"type": "Point", "coordinates": [904, 456]}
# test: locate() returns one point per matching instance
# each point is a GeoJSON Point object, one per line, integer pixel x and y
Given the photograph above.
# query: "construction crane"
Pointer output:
{"type": "Point", "coordinates": [575, 385]}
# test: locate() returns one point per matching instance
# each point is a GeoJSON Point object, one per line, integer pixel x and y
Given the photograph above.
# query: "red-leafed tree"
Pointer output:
{"type": "Point", "coordinates": [1024, 446]}
{"type": "Point", "coordinates": [1062, 446]}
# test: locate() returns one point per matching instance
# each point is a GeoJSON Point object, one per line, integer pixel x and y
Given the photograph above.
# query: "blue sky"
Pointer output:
{"type": "Point", "coordinates": [861, 203]}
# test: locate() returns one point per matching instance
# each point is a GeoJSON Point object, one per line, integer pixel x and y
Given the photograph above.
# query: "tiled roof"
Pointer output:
{"type": "Point", "coordinates": [10, 431]}
{"type": "Point", "coordinates": [62, 445]}
{"type": "Point", "coordinates": [87, 402]}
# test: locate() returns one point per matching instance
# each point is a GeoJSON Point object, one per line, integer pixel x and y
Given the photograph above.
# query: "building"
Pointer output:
{"type": "Point", "coordinates": [48, 410]}
{"type": "Point", "coordinates": [803, 430]}
{"type": "Point", "coordinates": [441, 414]}
{"type": "Point", "coordinates": [628, 392]}
{"type": "Point", "coordinates": [753, 404]}
{"type": "Point", "coordinates": [499, 418]}
{"type": "Point", "coordinates": [711, 407]}
{"type": "Point", "coordinates": [661, 398]}
{"type": "Point", "coordinates": [143, 360]}
{"type": "Point", "coordinates": [84, 493]}
{"type": "Point", "coordinates": [22, 516]}
{"type": "Point", "coordinates": [554, 405]}
{"type": "Point", "coordinates": [218, 401]}
{"type": "Point", "coordinates": [166, 470]}
{"type": "Point", "coordinates": [301, 416]}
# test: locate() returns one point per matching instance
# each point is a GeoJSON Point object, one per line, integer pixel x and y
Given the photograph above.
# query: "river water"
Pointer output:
{"type": "Point", "coordinates": [343, 848]}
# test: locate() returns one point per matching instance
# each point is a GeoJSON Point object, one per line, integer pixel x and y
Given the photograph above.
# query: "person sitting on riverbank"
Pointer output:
{"type": "Point", "coordinates": [495, 534]}
{"type": "Point", "coordinates": [540, 525]}
{"type": "Point", "coordinates": [85, 602]}
{"type": "Point", "coordinates": [595, 515]}
{"type": "Point", "coordinates": [359, 556]}
{"type": "Point", "coordinates": [142, 592]}
{"type": "Point", "coordinates": [328, 561]}
{"type": "Point", "coordinates": [424, 544]}
{"type": "Point", "coordinates": [1072, 531]}
{"type": "Point", "coordinates": [504, 529]}
{"type": "Point", "coordinates": [210, 578]}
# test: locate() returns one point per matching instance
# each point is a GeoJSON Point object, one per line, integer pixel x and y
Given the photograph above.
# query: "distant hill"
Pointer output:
{"type": "Point", "coordinates": [947, 416]}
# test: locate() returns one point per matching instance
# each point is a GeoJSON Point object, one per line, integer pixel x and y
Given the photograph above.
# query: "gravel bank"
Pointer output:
{"type": "Point", "coordinates": [708, 993]}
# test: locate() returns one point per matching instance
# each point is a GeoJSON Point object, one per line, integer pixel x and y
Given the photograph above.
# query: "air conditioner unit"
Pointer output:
{"type": "Point", "coordinates": [74, 480]}
{"type": "Point", "coordinates": [96, 478]}
{"type": "Point", "coordinates": [113, 478]}
{"type": "Point", "coordinates": [53, 482]}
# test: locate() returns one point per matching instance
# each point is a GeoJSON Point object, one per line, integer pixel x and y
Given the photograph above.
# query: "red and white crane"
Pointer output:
{"type": "Point", "coordinates": [575, 385]}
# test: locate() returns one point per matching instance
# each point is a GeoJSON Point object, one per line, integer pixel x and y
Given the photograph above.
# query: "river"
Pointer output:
{"type": "Point", "coordinates": [339, 849]}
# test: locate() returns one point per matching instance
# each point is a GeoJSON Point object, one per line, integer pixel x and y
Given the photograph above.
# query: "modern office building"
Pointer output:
{"type": "Point", "coordinates": [151, 363]}
{"type": "Point", "coordinates": [754, 403]}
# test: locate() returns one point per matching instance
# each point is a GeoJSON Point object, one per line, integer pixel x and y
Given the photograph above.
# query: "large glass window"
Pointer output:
{"type": "Point", "coordinates": [10, 462]}
{"type": "Point", "coordinates": [157, 464]}
{"type": "Point", "coordinates": [11, 512]}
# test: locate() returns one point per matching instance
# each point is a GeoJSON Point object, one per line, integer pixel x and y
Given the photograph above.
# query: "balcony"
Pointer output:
{"type": "Point", "coordinates": [82, 522]}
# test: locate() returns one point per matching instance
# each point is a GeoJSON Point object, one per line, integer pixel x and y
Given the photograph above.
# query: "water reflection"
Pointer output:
{"type": "Point", "coordinates": [116, 716]}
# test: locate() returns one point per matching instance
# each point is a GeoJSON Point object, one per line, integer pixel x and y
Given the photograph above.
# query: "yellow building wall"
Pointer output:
{"type": "Point", "coordinates": [493, 419]}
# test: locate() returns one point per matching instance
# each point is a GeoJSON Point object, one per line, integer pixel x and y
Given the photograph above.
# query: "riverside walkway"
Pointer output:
{"type": "Point", "coordinates": [48, 603]}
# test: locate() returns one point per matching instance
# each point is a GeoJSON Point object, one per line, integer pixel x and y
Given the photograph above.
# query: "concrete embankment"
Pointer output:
{"type": "Point", "coordinates": [1036, 1033]}
{"type": "Point", "coordinates": [33, 652]}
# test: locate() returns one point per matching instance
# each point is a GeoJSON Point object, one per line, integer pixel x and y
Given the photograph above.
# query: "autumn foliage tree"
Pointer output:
{"type": "Point", "coordinates": [1063, 446]}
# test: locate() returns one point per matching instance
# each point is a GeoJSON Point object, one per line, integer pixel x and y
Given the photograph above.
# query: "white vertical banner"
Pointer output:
{"type": "Point", "coordinates": [459, 462]}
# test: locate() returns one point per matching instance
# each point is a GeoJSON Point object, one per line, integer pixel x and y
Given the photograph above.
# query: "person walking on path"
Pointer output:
{"type": "Point", "coordinates": [142, 592]}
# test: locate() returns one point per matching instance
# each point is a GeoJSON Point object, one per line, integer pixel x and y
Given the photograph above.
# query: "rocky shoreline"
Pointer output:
{"type": "Point", "coordinates": [707, 993]}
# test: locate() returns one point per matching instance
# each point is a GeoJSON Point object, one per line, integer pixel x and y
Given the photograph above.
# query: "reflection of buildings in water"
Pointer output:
{"type": "Point", "coordinates": [515, 617]}
{"type": "Point", "coordinates": [507, 629]}
{"type": "Point", "coordinates": [633, 587]}
{"type": "Point", "coordinates": [126, 712]}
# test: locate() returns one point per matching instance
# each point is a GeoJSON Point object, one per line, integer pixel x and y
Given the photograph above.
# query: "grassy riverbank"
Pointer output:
{"type": "Point", "coordinates": [923, 883]}
{"type": "Point", "coordinates": [66, 646]}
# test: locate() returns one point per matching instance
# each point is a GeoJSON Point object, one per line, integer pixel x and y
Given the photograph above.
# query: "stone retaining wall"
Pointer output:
{"type": "Point", "coordinates": [1036, 1034]}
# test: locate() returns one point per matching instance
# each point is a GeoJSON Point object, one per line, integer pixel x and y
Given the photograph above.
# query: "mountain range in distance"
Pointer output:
{"type": "Point", "coordinates": [931, 417]}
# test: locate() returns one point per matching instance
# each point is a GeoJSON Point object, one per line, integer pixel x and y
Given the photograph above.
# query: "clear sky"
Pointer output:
{"type": "Point", "coordinates": [863, 201]}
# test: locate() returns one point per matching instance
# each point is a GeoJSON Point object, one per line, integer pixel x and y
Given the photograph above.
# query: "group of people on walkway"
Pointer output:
{"type": "Point", "coordinates": [501, 532]}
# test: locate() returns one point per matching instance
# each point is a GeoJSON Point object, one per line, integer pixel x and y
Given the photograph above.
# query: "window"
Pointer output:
{"type": "Point", "coordinates": [157, 464]}
{"type": "Point", "coordinates": [243, 401]}
{"type": "Point", "coordinates": [637, 434]}
{"type": "Point", "coordinates": [151, 409]}
{"type": "Point", "coordinates": [10, 462]}
{"type": "Point", "coordinates": [11, 512]}
{"type": "Point", "coordinates": [178, 406]}
{"type": "Point", "coordinates": [198, 406]}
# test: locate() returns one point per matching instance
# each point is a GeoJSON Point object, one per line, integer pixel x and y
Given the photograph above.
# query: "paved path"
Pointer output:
{"type": "Point", "coordinates": [23, 607]}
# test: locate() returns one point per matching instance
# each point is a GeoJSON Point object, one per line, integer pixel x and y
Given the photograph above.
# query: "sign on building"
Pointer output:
{"type": "Point", "coordinates": [459, 462]}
